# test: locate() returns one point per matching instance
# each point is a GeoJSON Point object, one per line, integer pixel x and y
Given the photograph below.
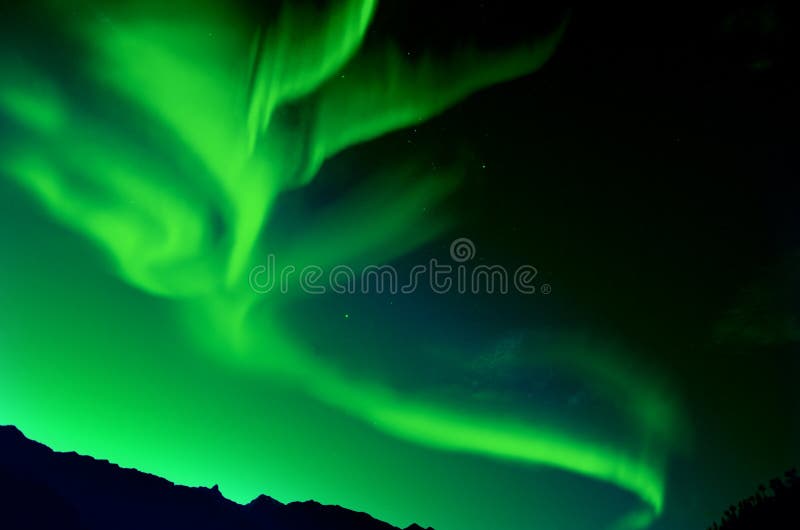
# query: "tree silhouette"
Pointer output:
{"type": "Point", "coordinates": [770, 508]}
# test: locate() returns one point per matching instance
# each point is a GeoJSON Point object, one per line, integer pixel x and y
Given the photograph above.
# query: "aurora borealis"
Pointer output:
{"type": "Point", "coordinates": [153, 154]}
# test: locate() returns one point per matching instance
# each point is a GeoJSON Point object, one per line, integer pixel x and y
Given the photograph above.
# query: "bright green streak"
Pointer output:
{"type": "Point", "coordinates": [223, 116]}
{"type": "Point", "coordinates": [436, 426]}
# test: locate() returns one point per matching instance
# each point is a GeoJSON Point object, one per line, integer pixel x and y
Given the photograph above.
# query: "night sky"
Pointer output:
{"type": "Point", "coordinates": [159, 162]}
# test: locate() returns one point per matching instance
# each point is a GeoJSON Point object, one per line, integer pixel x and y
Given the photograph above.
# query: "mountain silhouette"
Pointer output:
{"type": "Point", "coordinates": [41, 488]}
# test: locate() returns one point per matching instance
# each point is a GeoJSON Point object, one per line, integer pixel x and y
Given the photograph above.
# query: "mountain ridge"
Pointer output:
{"type": "Point", "coordinates": [42, 488]}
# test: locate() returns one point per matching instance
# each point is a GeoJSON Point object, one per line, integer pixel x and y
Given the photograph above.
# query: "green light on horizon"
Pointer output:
{"type": "Point", "coordinates": [198, 126]}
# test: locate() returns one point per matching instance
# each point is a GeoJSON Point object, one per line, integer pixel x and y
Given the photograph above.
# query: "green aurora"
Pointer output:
{"type": "Point", "coordinates": [162, 140]}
